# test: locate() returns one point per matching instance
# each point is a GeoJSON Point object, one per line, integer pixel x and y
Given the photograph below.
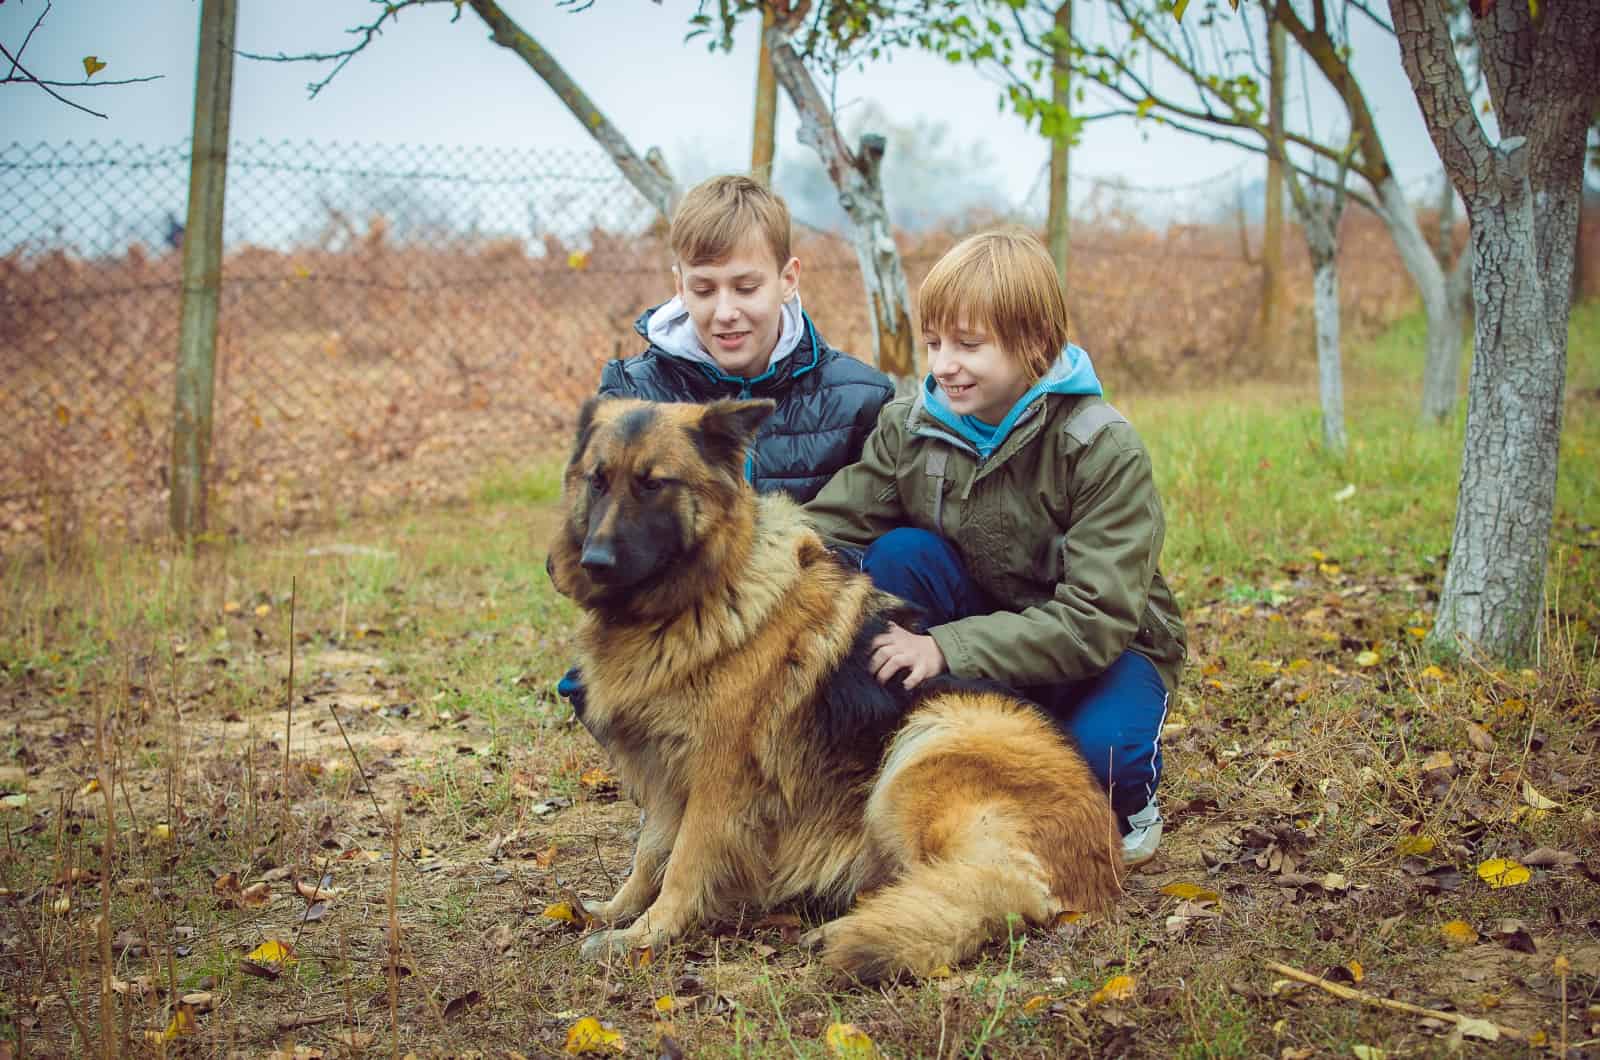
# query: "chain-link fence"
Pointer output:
{"type": "Point", "coordinates": [395, 320]}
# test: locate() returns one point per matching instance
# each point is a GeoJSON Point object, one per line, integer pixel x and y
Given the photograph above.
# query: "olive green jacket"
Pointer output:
{"type": "Point", "coordinates": [1062, 521]}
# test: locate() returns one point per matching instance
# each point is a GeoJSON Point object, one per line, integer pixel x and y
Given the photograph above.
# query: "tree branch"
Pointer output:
{"type": "Point", "coordinates": [42, 83]}
{"type": "Point", "coordinates": [29, 78]}
{"type": "Point", "coordinates": [1372, 16]}
{"type": "Point", "coordinates": [49, 86]}
{"type": "Point", "coordinates": [1316, 43]}
{"type": "Point", "coordinates": [647, 175]}
{"type": "Point", "coordinates": [1429, 57]}
{"type": "Point", "coordinates": [25, 41]}
{"type": "Point", "coordinates": [341, 58]}
{"type": "Point", "coordinates": [650, 179]}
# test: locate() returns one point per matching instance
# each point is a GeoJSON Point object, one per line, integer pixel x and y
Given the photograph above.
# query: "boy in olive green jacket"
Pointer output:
{"type": "Point", "coordinates": [1017, 508]}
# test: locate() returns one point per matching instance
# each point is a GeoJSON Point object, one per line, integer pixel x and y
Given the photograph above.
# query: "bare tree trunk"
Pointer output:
{"type": "Point", "coordinates": [1441, 372]}
{"type": "Point", "coordinates": [1058, 222]}
{"type": "Point", "coordinates": [1271, 322]}
{"type": "Point", "coordinates": [763, 139]}
{"type": "Point", "coordinates": [1330, 370]}
{"type": "Point", "coordinates": [1319, 219]}
{"type": "Point", "coordinates": [857, 180]}
{"type": "Point", "coordinates": [202, 270]}
{"type": "Point", "coordinates": [648, 175]}
{"type": "Point", "coordinates": [1321, 225]}
{"type": "Point", "coordinates": [1492, 597]}
{"type": "Point", "coordinates": [1522, 199]}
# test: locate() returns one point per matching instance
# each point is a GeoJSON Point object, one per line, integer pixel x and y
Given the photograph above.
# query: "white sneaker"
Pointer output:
{"type": "Point", "coordinates": [1144, 835]}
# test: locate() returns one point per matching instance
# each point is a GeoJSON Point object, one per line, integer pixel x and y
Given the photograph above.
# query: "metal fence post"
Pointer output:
{"type": "Point", "coordinates": [202, 269]}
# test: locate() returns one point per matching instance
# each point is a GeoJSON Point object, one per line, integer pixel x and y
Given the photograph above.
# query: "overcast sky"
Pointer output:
{"type": "Point", "coordinates": [428, 81]}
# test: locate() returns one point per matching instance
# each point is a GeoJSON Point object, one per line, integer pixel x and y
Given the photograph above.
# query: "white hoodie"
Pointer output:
{"type": "Point", "coordinates": [671, 329]}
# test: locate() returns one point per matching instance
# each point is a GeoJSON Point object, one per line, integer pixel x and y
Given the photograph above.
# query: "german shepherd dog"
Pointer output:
{"type": "Point", "coordinates": [726, 655]}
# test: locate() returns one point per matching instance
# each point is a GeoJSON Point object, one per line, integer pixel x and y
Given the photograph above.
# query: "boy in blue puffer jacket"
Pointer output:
{"type": "Point", "coordinates": [735, 329]}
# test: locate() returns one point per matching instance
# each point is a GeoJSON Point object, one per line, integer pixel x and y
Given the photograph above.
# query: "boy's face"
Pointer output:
{"type": "Point", "coordinates": [737, 304]}
{"type": "Point", "coordinates": [979, 377]}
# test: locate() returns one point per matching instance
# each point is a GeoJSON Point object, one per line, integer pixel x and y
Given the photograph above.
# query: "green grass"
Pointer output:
{"type": "Point", "coordinates": [1248, 488]}
{"type": "Point", "coordinates": [435, 639]}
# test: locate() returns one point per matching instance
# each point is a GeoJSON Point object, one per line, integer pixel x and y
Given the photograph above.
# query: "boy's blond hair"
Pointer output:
{"type": "Point", "coordinates": [1002, 282]}
{"type": "Point", "coordinates": [716, 216]}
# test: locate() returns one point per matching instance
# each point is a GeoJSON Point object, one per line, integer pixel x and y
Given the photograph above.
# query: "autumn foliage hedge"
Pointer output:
{"type": "Point", "coordinates": [392, 369]}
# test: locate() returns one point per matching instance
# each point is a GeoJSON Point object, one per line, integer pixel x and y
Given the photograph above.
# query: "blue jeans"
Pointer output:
{"type": "Point", "coordinates": [1114, 717]}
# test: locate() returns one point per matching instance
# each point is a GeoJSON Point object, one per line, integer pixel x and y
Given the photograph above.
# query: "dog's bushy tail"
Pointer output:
{"type": "Point", "coordinates": [935, 916]}
{"type": "Point", "coordinates": [980, 812]}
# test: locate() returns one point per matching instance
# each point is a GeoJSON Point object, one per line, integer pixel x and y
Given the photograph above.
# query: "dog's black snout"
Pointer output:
{"type": "Point", "coordinates": [598, 557]}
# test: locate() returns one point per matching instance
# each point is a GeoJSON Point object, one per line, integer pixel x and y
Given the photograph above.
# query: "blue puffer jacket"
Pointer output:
{"type": "Point", "coordinates": [828, 403]}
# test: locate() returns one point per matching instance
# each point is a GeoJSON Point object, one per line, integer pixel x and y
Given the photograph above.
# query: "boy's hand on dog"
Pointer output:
{"type": "Point", "coordinates": [917, 655]}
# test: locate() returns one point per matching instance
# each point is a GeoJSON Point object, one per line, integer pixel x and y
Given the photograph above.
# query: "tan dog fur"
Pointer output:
{"type": "Point", "coordinates": [724, 678]}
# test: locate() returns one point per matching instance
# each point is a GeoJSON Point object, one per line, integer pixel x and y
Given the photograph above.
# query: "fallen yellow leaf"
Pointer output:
{"type": "Point", "coordinates": [578, 260]}
{"type": "Point", "coordinates": [1530, 795]}
{"type": "Point", "coordinates": [564, 911]}
{"type": "Point", "coordinates": [596, 778]}
{"type": "Point", "coordinates": [1414, 844]}
{"type": "Point", "coordinates": [1437, 760]}
{"type": "Point", "coordinates": [1459, 933]}
{"type": "Point", "coordinates": [849, 1042]}
{"type": "Point", "coordinates": [1117, 988]}
{"type": "Point", "coordinates": [1035, 1003]}
{"type": "Point", "coordinates": [1191, 892]}
{"type": "Point", "coordinates": [1368, 658]}
{"type": "Point", "coordinates": [271, 952]}
{"type": "Point", "coordinates": [1431, 673]}
{"type": "Point", "coordinates": [182, 1023]}
{"type": "Point", "coordinates": [588, 1037]}
{"type": "Point", "coordinates": [1357, 972]}
{"type": "Point", "coordinates": [1503, 872]}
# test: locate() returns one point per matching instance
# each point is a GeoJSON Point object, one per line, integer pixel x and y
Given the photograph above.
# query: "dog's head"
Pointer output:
{"type": "Point", "coordinates": [647, 486]}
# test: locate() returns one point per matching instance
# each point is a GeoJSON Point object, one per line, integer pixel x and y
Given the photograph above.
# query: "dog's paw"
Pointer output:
{"type": "Point", "coordinates": [815, 940]}
{"type": "Point", "coordinates": [605, 944]}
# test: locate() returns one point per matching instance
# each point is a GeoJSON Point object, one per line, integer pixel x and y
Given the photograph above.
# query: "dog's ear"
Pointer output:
{"type": "Point", "coordinates": [585, 428]}
{"type": "Point", "coordinates": [727, 428]}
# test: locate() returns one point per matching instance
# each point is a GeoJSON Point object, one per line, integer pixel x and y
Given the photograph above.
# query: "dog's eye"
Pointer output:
{"type": "Point", "coordinates": [597, 482]}
{"type": "Point", "coordinates": [651, 485]}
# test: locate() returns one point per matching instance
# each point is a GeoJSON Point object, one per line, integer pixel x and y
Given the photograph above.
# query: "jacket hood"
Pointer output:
{"type": "Point", "coordinates": [670, 330]}
{"type": "Point", "coordinates": [1072, 373]}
